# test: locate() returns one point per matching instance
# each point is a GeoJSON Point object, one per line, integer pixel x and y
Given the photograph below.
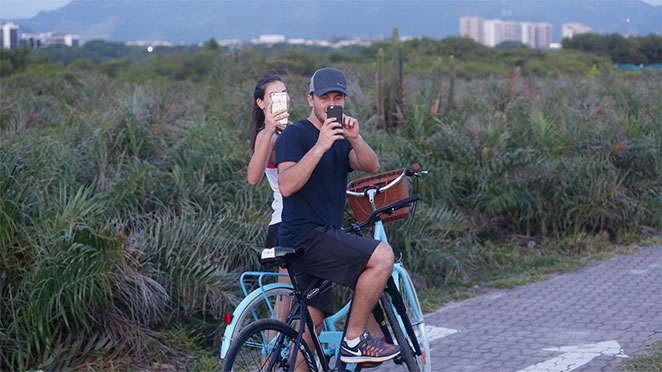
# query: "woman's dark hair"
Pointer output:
{"type": "Point", "coordinates": [258, 114]}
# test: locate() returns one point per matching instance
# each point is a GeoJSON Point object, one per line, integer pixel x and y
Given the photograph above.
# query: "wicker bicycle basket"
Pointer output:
{"type": "Point", "coordinates": [360, 206]}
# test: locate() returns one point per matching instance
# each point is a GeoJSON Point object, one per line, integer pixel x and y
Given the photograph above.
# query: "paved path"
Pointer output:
{"type": "Point", "coordinates": [585, 321]}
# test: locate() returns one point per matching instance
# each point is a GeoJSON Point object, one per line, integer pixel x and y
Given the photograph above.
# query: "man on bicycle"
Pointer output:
{"type": "Point", "coordinates": [313, 157]}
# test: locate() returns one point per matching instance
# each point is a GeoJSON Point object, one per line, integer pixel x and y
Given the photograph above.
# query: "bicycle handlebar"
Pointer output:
{"type": "Point", "coordinates": [413, 170]}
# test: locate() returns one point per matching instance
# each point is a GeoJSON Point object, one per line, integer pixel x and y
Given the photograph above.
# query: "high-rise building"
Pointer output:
{"type": "Point", "coordinates": [512, 31]}
{"type": "Point", "coordinates": [570, 29]}
{"type": "Point", "coordinates": [9, 35]}
{"type": "Point", "coordinates": [492, 32]}
{"type": "Point", "coordinates": [529, 34]}
{"type": "Point", "coordinates": [472, 27]}
{"type": "Point", "coordinates": [543, 35]}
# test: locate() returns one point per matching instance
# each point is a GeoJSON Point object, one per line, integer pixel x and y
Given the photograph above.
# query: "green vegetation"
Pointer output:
{"type": "Point", "coordinates": [649, 361]}
{"type": "Point", "coordinates": [193, 63]}
{"type": "Point", "coordinates": [645, 50]}
{"type": "Point", "coordinates": [125, 217]}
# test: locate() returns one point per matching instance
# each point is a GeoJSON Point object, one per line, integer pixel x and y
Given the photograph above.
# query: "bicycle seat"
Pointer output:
{"type": "Point", "coordinates": [278, 255]}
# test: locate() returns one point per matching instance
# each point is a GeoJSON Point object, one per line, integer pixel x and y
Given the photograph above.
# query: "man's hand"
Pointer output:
{"type": "Point", "coordinates": [350, 128]}
{"type": "Point", "coordinates": [361, 157]}
{"type": "Point", "coordinates": [331, 131]}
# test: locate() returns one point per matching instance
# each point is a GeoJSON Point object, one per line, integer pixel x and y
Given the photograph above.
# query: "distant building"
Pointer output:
{"type": "Point", "coordinates": [472, 27]}
{"type": "Point", "coordinates": [30, 41]}
{"type": "Point", "coordinates": [229, 42]}
{"type": "Point", "coordinates": [56, 38]}
{"type": "Point", "coordinates": [148, 43]}
{"type": "Point", "coordinates": [9, 35]}
{"type": "Point", "coordinates": [47, 39]}
{"type": "Point", "coordinates": [512, 31]}
{"type": "Point", "coordinates": [529, 34]}
{"type": "Point", "coordinates": [570, 29]}
{"type": "Point", "coordinates": [543, 35]}
{"type": "Point", "coordinates": [492, 32]}
{"type": "Point", "coordinates": [271, 39]}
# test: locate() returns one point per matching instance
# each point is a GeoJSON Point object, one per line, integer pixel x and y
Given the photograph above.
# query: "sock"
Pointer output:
{"type": "Point", "coordinates": [352, 343]}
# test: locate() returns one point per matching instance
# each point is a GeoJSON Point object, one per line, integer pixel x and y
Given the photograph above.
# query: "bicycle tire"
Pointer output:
{"type": "Point", "coordinates": [406, 352]}
{"type": "Point", "coordinates": [247, 352]}
{"type": "Point", "coordinates": [258, 305]}
{"type": "Point", "coordinates": [417, 321]}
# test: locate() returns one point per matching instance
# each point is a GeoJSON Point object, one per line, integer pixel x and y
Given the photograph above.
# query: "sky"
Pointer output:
{"type": "Point", "coordinates": [10, 9]}
{"type": "Point", "coordinates": [28, 8]}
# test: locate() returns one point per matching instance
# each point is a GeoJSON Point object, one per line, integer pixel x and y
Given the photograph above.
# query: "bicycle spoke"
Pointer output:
{"type": "Point", "coordinates": [264, 346]}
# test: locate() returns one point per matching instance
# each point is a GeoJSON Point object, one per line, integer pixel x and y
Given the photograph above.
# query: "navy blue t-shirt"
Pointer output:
{"type": "Point", "coordinates": [321, 201]}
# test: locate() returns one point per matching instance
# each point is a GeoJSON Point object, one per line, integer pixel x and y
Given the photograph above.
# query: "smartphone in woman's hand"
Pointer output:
{"type": "Point", "coordinates": [279, 103]}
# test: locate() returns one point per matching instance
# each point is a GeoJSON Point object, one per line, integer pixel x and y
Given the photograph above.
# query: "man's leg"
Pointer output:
{"type": "Point", "coordinates": [369, 287]}
{"type": "Point", "coordinates": [318, 320]}
{"type": "Point", "coordinates": [374, 329]}
{"type": "Point", "coordinates": [358, 262]}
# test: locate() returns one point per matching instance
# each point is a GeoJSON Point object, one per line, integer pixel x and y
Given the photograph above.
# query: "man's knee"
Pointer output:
{"type": "Point", "coordinates": [382, 257]}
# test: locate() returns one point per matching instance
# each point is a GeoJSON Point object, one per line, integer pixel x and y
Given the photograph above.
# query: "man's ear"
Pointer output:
{"type": "Point", "coordinates": [310, 99]}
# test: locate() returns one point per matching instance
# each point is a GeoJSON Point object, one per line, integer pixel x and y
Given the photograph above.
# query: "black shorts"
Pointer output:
{"type": "Point", "coordinates": [323, 301]}
{"type": "Point", "coordinates": [332, 255]}
{"type": "Point", "coordinates": [272, 236]}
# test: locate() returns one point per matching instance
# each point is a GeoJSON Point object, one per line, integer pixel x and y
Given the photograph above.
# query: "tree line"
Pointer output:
{"type": "Point", "coordinates": [193, 63]}
{"type": "Point", "coordinates": [645, 50]}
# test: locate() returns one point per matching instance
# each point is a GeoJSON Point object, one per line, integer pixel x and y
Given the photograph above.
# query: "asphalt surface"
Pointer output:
{"type": "Point", "coordinates": [584, 321]}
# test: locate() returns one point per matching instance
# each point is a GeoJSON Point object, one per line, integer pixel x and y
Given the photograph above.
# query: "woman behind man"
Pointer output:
{"type": "Point", "coordinates": [266, 130]}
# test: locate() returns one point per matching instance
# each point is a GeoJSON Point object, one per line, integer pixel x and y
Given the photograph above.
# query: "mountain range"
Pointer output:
{"type": "Point", "coordinates": [200, 20]}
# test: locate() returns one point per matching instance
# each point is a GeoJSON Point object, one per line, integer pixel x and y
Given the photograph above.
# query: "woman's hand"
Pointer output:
{"type": "Point", "coordinates": [271, 119]}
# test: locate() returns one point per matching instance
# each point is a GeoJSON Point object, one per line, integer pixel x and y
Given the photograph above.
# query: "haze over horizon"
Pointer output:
{"type": "Point", "coordinates": [15, 9]}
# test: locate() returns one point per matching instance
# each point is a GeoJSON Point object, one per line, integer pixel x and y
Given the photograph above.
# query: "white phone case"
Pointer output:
{"type": "Point", "coordinates": [279, 103]}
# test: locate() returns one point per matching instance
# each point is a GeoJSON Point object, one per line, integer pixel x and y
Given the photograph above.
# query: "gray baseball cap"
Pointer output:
{"type": "Point", "coordinates": [326, 80]}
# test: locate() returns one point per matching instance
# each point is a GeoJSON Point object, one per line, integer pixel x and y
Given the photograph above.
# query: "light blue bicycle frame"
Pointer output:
{"type": "Point", "coordinates": [330, 335]}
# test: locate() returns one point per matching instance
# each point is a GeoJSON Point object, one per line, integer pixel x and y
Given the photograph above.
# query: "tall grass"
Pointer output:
{"type": "Point", "coordinates": [124, 210]}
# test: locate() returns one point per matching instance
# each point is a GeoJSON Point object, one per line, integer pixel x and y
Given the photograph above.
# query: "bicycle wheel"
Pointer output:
{"type": "Point", "coordinates": [255, 351]}
{"type": "Point", "coordinates": [406, 352]}
{"type": "Point", "coordinates": [274, 299]}
{"type": "Point", "coordinates": [415, 314]}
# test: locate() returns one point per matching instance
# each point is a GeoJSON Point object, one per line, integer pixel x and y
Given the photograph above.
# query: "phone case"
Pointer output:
{"type": "Point", "coordinates": [334, 111]}
{"type": "Point", "coordinates": [279, 103]}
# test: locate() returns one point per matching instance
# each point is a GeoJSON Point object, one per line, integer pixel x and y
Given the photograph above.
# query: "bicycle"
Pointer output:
{"type": "Point", "coordinates": [259, 304]}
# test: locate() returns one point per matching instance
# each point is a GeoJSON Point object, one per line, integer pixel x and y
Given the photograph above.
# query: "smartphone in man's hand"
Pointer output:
{"type": "Point", "coordinates": [334, 111]}
{"type": "Point", "coordinates": [279, 103]}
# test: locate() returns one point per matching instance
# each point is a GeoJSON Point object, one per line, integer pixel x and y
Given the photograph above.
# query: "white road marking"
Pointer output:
{"type": "Point", "coordinates": [576, 356]}
{"type": "Point", "coordinates": [435, 333]}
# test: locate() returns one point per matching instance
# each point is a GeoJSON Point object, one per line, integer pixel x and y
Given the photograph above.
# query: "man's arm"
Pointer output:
{"type": "Point", "coordinates": [293, 175]}
{"type": "Point", "coordinates": [361, 157]}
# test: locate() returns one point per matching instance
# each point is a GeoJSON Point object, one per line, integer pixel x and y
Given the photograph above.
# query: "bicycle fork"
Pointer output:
{"type": "Point", "coordinates": [398, 303]}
